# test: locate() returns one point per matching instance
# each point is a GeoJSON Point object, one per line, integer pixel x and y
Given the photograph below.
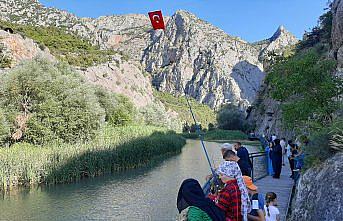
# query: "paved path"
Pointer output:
{"type": "Point", "coordinates": [282, 187]}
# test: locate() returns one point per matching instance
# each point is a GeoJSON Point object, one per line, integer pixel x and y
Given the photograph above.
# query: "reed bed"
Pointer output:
{"type": "Point", "coordinates": [113, 150]}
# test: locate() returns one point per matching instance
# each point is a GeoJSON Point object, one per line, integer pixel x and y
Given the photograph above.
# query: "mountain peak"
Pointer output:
{"type": "Point", "coordinates": [281, 31]}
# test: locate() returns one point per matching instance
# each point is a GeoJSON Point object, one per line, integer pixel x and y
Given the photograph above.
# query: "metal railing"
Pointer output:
{"type": "Point", "coordinates": [254, 155]}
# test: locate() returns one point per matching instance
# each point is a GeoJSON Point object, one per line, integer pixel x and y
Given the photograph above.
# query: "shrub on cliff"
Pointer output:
{"type": "Point", "coordinates": [306, 86]}
{"type": "Point", "coordinates": [45, 101]}
{"type": "Point", "coordinates": [64, 45]}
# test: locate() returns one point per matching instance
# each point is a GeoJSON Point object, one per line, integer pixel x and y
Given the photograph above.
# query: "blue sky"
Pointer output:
{"type": "Point", "coordinates": [252, 20]}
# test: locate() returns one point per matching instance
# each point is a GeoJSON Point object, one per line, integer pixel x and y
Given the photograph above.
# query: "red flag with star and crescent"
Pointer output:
{"type": "Point", "coordinates": [156, 19]}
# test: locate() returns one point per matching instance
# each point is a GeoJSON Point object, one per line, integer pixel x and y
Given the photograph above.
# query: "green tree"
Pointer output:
{"type": "Point", "coordinates": [306, 86]}
{"type": "Point", "coordinates": [119, 109]}
{"type": "Point", "coordinates": [156, 115]}
{"type": "Point", "coordinates": [52, 101]}
{"type": "Point", "coordinates": [230, 117]}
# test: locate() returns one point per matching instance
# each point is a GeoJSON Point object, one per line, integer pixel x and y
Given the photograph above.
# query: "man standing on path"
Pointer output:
{"type": "Point", "coordinates": [244, 161]}
{"type": "Point", "coordinates": [257, 201]}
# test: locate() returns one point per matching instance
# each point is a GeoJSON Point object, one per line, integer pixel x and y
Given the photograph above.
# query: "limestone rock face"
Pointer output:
{"type": "Point", "coordinates": [319, 193]}
{"type": "Point", "coordinates": [19, 49]}
{"type": "Point", "coordinates": [337, 32]}
{"type": "Point", "coordinates": [212, 66]}
{"type": "Point", "coordinates": [122, 77]}
{"type": "Point", "coordinates": [275, 46]}
{"type": "Point", "coordinates": [266, 113]}
{"type": "Point", "coordinates": [128, 34]}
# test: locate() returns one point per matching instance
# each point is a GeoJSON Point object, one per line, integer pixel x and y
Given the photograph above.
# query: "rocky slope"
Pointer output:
{"type": "Point", "coordinates": [319, 193]}
{"type": "Point", "coordinates": [18, 49]}
{"type": "Point", "coordinates": [119, 76]}
{"type": "Point", "coordinates": [266, 114]}
{"type": "Point", "coordinates": [214, 67]}
{"type": "Point", "coordinates": [126, 33]}
{"type": "Point", "coordinates": [122, 77]}
{"type": "Point", "coordinates": [275, 46]}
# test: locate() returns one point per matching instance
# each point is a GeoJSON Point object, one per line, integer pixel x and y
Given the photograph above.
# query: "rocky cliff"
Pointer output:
{"type": "Point", "coordinates": [319, 193]}
{"type": "Point", "coordinates": [129, 34]}
{"type": "Point", "coordinates": [275, 46]}
{"type": "Point", "coordinates": [18, 49]}
{"type": "Point", "coordinates": [119, 76]}
{"type": "Point", "coordinates": [214, 67]}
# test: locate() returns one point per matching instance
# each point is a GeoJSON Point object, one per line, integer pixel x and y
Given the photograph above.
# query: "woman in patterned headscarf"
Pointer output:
{"type": "Point", "coordinates": [231, 169]}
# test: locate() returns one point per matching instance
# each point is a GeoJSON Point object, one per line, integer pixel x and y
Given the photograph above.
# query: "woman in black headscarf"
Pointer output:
{"type": "Point", "coordinates": [276, 155]}
{"type": "Point", "coordinates": [191, 194]}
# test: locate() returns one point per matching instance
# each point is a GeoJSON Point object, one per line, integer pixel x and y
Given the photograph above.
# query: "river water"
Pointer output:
{"type": "Point", "coordinates": [141, 194]}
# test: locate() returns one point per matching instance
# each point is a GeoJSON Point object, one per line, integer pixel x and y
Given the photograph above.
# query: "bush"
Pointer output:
{"type": "Point", "coordinates": [229, 117]}
{"type": "Point", "coordinates": [318, 34]}
{"type": "Point", "coordinates": [324, 143]}
{"type": "Point", "coordinates": [5, 59]}
{"type": "Point", "coordinates": [211, 127]}
{"type": "Point", "coordinates": [156, 115]}
{"type": "Point", "coordinates": [203, 113]}
{"type": "Point", "coordinates": [119, 110]}
{"type": "Point", "coordinates": [52, 101]}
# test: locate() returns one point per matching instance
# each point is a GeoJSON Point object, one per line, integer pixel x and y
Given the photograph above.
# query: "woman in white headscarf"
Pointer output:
{"type": "Point", "coordinates": [231, 169]}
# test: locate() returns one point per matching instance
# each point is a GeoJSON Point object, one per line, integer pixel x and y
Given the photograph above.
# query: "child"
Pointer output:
{"type": "Point", "coordinates": [271, 211]}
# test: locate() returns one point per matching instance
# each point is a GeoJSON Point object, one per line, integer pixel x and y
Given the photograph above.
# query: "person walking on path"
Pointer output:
{"type": "Point", "coordinates": [272, 213]}
{"type": "Point", "coordinates": [276, 155]}
{"type": "Point", "coordinates": [244, 161]}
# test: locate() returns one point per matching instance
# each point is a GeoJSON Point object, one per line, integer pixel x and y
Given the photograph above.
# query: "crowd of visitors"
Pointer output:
{"type": "Point", "coordinates": [233, 196]}
{"type": "Point", "coordinates": [278, 150]}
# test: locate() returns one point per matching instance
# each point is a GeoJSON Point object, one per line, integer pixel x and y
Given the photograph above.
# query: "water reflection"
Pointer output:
{"type": "Point", "coordinates": [141, 194]}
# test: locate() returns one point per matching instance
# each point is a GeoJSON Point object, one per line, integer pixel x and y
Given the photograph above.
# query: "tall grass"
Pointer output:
{"type": "Point", "coordinates": [114, 149]}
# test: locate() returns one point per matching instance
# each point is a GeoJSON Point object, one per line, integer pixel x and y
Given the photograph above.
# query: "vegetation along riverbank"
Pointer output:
{"type": "Point", "coordinates": [57, 128]}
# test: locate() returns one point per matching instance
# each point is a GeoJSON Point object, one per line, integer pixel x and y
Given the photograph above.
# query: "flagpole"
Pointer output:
{"type": "Point", "coordinates": [197, 127]}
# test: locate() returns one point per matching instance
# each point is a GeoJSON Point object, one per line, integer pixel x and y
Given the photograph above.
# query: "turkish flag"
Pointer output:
{"type": "Point", "coordinates": [156, 19]}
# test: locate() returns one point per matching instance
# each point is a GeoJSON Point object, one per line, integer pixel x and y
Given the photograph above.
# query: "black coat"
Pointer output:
{"type": "Point", "coordinates": [244, 162]}
{"type": "Point", "coordinates": [276, 153]}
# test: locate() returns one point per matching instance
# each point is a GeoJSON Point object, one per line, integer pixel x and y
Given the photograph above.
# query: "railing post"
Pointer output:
{"type": "Point", "coordinates": [252, 169]}
{"type": "Point", "coordinates": [269, 166]}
